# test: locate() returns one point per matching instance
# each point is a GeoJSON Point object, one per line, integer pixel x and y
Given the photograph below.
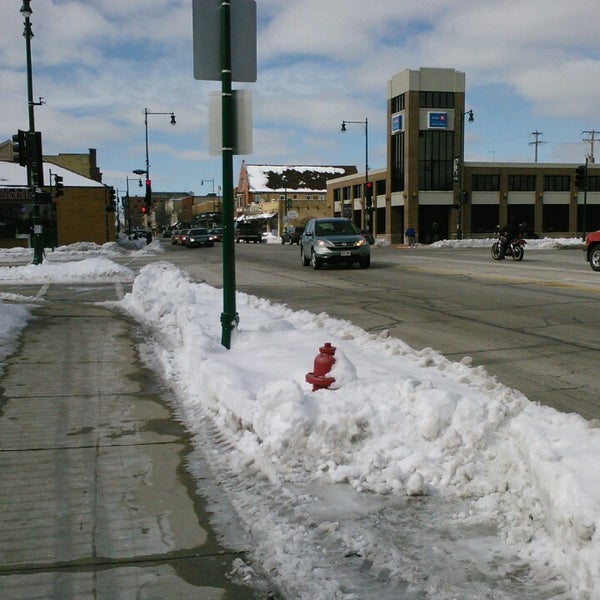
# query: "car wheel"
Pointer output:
{"type": "Point", "coordinates": [365, 262]}
{"type": "Point", "coordinates": [314, 261]}
{"type": "Point", "coordinates": [305, 261]}
{"type": "Point", "coordinates": [595, 258]}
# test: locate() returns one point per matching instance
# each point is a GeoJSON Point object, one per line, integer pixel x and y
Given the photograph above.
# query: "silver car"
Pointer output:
{"type": "Point", "coordinates": [333, 240]}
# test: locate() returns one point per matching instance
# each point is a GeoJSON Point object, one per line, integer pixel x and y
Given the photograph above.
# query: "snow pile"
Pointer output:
{"type": "Point", "coordinates": [398, 421]}
{"type": "Point", "coordinates": [92, 269]}
{"type": "Point", "coordinates": [532, 244]}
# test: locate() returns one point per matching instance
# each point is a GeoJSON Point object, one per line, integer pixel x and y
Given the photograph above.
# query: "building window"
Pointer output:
{"type": "Point", "coordinates": [485, 183]}
{"type": "Point", "coordinates": [357, 190]}
{"type": "Point", "coordinates": [346, 192]}
{"type": "Point", "coordinates": [556, 183]}
{"type": "Point", "coordinates": [593, 183]}
{"type": "Point", "coordinates": [397, 162]}
{"type": "Point", "coordinates": [436, 160]}
{"type": "Point", "coordinates": [521, 183]}
{"type": "Point", "coordinates": [380, 187]}
{"type": "Point", "coordinates": [337, 194]}
{"type": "Point", "coordinates": [398, 103]}
{"type": "Point", "coordinates": [436, 99]}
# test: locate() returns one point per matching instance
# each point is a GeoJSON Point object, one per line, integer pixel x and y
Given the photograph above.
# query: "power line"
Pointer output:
{"type": "Point", "coordinates": [536, 142]}
{"type": "Point", "coordinates": [593, 133]}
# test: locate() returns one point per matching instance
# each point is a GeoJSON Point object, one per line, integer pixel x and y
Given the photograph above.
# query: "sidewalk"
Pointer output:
{"type": "Point", "coordinates": [95, 499]}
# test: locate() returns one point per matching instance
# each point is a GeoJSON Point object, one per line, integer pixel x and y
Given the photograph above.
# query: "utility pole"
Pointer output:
{"type": "Point", "coordinates": [536, 134]}
{"type": "Point", "coordinates": [592, 138]}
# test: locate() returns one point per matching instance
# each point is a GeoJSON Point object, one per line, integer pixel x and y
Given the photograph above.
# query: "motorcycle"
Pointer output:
{"type": "Point", "coordinates": [515, 248]}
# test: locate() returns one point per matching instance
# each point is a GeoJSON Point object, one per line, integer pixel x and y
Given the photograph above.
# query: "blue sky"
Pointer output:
{"type": "Point", "coordinates": [529, 66]}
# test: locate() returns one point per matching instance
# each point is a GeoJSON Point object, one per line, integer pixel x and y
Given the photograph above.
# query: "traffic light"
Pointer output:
{"type": "Point", "coordinates": [112, 196]}
{"type": "Point", "coordinates": [148, 193]}
{"type": "Point", "coordinates": [19, 147]}
{"type": "Point", "coordinates": [35, 158]}
{"type": "Point", "coordinates": [58, 186]}
{"type": "Point", "coordinates": [144, 209]}
{"type": "Point", "coordinates": [580, 177]}
{"type": "Point", "coordinates": [369, 195]}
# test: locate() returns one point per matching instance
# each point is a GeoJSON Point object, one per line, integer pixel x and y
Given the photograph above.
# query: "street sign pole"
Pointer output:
{"type": "Point", "coordinates": [229, 316]}
{"type": "Point", "coordinates": [216, 59]}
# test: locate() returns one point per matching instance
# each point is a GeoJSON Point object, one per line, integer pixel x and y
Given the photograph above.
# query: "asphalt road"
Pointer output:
{"type": "Point", "coordinates": [534, 324]}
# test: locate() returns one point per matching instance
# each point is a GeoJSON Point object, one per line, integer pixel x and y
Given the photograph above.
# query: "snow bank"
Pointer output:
{"type": "Point", "coordinates": [399, 422]}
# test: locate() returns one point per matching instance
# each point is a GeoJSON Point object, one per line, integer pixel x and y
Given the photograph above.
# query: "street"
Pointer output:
{"type": "Point", "coordinates": [532, 324]}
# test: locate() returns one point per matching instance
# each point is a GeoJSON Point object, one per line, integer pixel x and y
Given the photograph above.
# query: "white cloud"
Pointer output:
{"type": "Point", "coordinates": [99, 64]}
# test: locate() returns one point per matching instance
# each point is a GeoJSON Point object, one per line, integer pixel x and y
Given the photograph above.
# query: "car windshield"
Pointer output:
{"type": "Point", "coordinates": [198, 231]}
{"type": "Point", "coordinates": [324, 228]}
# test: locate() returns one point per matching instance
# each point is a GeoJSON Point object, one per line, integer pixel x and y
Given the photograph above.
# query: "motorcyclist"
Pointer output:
{"type": "Point", "coordinates": [508, 233]}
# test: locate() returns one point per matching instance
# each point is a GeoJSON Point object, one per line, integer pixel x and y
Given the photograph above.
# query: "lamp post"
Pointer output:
{"type": "Point", "coordinates": [128, 179]}
{"type": "Point", "coordinates": [33, 175]}
{"type": "Point", "coordinates": [202, 182]}
{"type": "Point", "coordinates": [460, 172]}
{"type": "Point", "coordinates": [148, 180]}
{"type": "Point", "coordinates": [367, 200]}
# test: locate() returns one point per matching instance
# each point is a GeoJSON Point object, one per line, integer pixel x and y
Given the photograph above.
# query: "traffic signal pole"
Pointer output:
{"type": "Point", "coordinates": [229, 316]}
{"type": "Point", "coordinates": [34, 171]}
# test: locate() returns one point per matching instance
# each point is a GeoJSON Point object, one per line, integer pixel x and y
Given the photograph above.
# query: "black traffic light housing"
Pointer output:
{"type": "Point", "coordinates": [19, 147]}
{"type": "Point", "coordinates": [148, 193]}
{"type": "Point", "coordinates": [59, 188]}
{"type": "Point", "coordinates": [369, 195]}
{"type": "Point", "coordinates": [35, 158]}
{"type": "Point", "coordinates": [581, 177]}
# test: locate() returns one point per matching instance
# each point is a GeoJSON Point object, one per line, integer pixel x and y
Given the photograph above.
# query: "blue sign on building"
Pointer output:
{"type": "Point", "coordinates": [438, 120]}
{"type": "Point", "coordinates": [396, 123]}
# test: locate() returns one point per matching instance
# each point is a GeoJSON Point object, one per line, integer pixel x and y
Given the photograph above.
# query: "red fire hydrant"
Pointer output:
{"type": "Point", "coordinates": [323, 363]}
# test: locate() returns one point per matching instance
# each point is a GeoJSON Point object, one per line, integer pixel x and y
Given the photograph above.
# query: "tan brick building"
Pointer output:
{"type": "Point", "coordinates": [82, 214]}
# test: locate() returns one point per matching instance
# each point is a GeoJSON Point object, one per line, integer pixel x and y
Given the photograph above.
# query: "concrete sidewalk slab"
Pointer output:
{"type": "Point", "coordinates": [95, 499]}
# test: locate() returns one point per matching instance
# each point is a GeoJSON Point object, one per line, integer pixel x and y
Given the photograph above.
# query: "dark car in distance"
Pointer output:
{"type": "Point", "coordinates": [292, 235]}
{"type": "Point", "coordinates": [199, 236]}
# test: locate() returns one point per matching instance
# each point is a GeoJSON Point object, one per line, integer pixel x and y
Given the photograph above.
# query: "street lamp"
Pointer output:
{"type": "Point", "coordinates": [368, 202]}
{"type": "Point", "coordinates": [202, 182]}
{"type": "Point", "coordinates": [460, 172]}
{"type": "Point", "coordinates": [148, 180]}
{"type": "Point", "coordinates": [34, 155]}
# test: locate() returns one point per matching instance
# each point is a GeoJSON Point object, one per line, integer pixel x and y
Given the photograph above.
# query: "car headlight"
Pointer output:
{"type": "Point", "coordinates": [362, 242]}
{"type": "Point", "coordinates": [325, 244]}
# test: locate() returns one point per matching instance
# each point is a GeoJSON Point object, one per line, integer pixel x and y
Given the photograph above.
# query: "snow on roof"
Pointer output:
{"type": "Point", "coordinates": [303, 178]}
{"type": "Point", "coordinates": [14, 175]}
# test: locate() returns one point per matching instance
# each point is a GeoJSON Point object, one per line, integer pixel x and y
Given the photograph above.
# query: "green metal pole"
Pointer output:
{"type": "Point", "coordinates": [38, 243]}
{"type": "Point", "coordinates": [229, 316]}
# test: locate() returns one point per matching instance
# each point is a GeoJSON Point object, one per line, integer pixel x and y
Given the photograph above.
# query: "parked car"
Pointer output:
{"type": "Point", "coordinates": [333, 240]}
{"type": "Point", "coordinates": [248, 232]}
{"type": "Point", "coordinates": [592, 249]}
{"type": "Point", "coordinates": [199, 236]}
{"type": "Point", "coordinates": [174, 235]}
{"type": "Point", "coordinates": [292, 235]}
{"type": "Point", "coordinates": [217, 233]}
{"type": "Point", "coordinates": [138, 234]}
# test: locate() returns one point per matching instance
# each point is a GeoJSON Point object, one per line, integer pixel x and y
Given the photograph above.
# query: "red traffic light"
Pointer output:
{"type": "Point", "coordinates": [143, 210]}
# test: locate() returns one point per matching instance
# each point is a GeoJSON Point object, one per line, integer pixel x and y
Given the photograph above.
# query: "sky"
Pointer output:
{"type": "Point", "coordinates": [411, 477]}
{"type": "Point", "coordinates": [530, 66]}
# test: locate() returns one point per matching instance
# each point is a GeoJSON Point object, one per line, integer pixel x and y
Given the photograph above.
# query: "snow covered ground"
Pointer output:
{"type": "Point", "coordinates": [413, 477]}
